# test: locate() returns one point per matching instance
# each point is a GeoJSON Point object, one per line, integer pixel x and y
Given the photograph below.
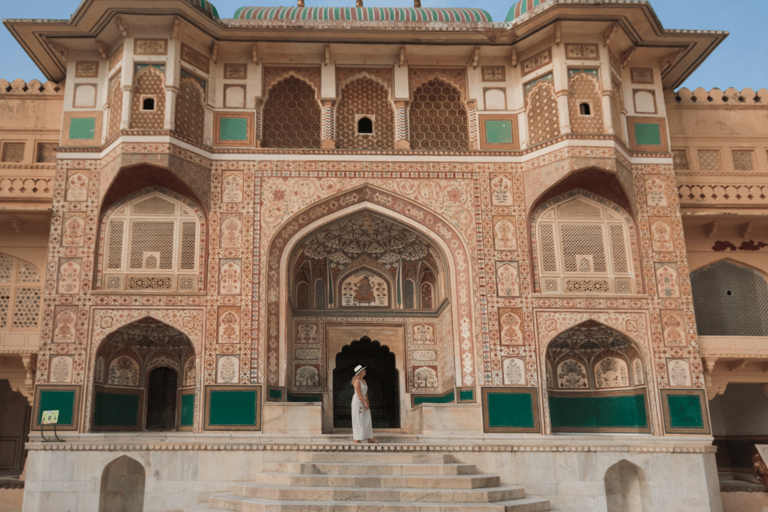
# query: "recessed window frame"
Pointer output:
{"type": "Point", "coordinates": [370, 117]}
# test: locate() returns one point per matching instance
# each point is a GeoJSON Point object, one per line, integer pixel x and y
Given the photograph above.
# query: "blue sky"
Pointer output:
{"type": "Point", "coordinates": [741, 61]}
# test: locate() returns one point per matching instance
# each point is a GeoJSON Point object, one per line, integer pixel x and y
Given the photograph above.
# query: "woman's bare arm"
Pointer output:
{"type": "Point", "coordinates": [359, 393]}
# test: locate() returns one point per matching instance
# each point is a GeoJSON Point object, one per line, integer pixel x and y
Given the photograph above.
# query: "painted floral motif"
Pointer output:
{"type": "Point", "coordinates": [61, 369]}
{"type": "Point", "coordinates": [423, 334]}
{"type": "Point", "coordinates": [673, 329]}
{"type": "Point", "coordinates": [123, 371]}
{"type": "Point", "coordinates": [637, 370]}
{"type": "Point", "coordinates": [572, 375]}
{"type": "Point", "coordinates": [505, 235]}
{"type": "Point", "coordinates": [189, 372]}
{"type": "Point", "coordinates": [64, 330]}
{"type": "Point", "coordinates": [69, 277]}
{"type": "Point", "coordinates": [501, 192]}
{"type": "Point", "coordinates": [72, 231]}
{"type": "Point", "coordinates": [229, 277]}
{"type": "Point", "coordinates": [226, 370]}
{"type": "Point", "coordinates": [364, 289]}
{"type": "Point", "coordinates": [655, 192]}
{"type": "Point", "coordinates": [160, 362]}
{"type": "Point", "coordinates": [510, 329]}
{"type": "Point", "coordinates": [232, 188]}
{"type": "Point", "coordinates": [425, 377]}
{"type": "Point", "coordinates": [507, 280]}
{"type": "Point", "coordinates": [550, 376]}
{"type": "Point", "coordinates": [77, 187]}
{"type": "Point", "coordinates": [231, 233]}
{"type": "Point", "coordinates": [229, 327]}
{"type": "Point", "coordinates": [666, 279]}
{"type": "Point", "coordinates": [307, 377]}
{"type": "Point", "coordinates": [679, 372]}
{"type": "Point", "coordinates": [514, 371]}
{"type": "Point", "coordinates": [611, 372]}
{"type": "Point", "coordinates": [661, 237]}
{"type": "Point", "coordinates": [306, 333]}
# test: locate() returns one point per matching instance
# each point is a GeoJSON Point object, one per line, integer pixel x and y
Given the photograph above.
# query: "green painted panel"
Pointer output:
{"type": "Point", "coordinates": [498, 132]}
{"type": "Point", "coordinates": [685, 411]}
{"type": "Point", "coordinates": [275, 393]}
{"type": "Point", "coordinates": [466, 395]}
{"type": "Point", "coordinates": [116, 410]}
{"type": "Point", "coordinates": [232, 408]}
{"type": "Point", "coordinates": [82, 128]}
{"type": "Point", "coordinates": [648, 134]}
{"type": "Point", "coordinates": [233, 128]}
{"type": "Point", "coordinates": [304, 398]}
{"type": "Point", "coordinates": [187, 410]}
{"type": "Point", "coordinates": [434, 399]}
{"type": "Point", "coordinates": [510, 410]}
{"type": "Point", "coordinates": [62, 401]}
{"type": "Point", "coordinates": [591, 412]}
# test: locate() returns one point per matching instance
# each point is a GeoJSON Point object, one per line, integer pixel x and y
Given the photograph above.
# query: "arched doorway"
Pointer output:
{"type": "Point", "coordinates": [138, 384]}
{"type": "Point", "coordinates": [381, 377]}
{"type": "Point", "coordinates": [122, 486]}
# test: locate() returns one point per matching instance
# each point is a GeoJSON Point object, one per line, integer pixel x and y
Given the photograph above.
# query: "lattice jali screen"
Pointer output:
{"type": "Point", "coordinates": [583, 247]}
{"type": "Point", "coordinates": [365, 97]}
{"type": "Point", "coordinates": [22, 295]}
{"type": "Point", "coordinates": [709, 160]}
{"type": "Point", "coordinates": [730, 300]}
{"type": "Point", "coordinates": [584, 88]}
{"type": "Point", "coordinates": [292, 116]}
{"type": "Point", "coordinates": [542, 114]}
{"type": "Point", "coordinates": [743, 160]}
{"type": "Point", "coordinates": [45, 152]}
{"type": "Point", "coordinates": [155, 240]}
{"type": "Point", "coordinates": [617, 107]}
{"type": "Point", "coordinates": [13, 152]}
{"type": "Point", "coordinates": [150, 82]}
{"type": "Point", "coordinates": [115, 106]}
{"type": "Point", "coordinates": [190, 109]}
{"type": "Point", "coordinates": [438, 117]}
{"type": "Point", "coordinates": [680, 159]}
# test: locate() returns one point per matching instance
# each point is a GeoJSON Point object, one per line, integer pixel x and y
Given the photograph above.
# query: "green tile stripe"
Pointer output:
{"type": "Point", "coordinates": [57, 400]}
{"type": "Point", "coordinates": [276, 394]}
{"type": "Point", "coordinates": [498, 131]}
{"type": "Point", "coordinates": [233, 128]}
{"type": "Point", "coordinates": [82, 128]}
{"type": "Point", "coordinates": [232, 407]}
{"type": "Point", "coordinates": [685, 411]}
{"type": "Point", "coordinates": [648, 134]}
{"type": "Point", "coordinates": [187, 410]}
{"type": "Point", "coordinates": [447, 398]}
{"type": "Point", "coordinates": [598, 412]}
{"type": "Point", "coordinates": [402, 14]}
{"type": "Point", "coordinates": [466, 395]}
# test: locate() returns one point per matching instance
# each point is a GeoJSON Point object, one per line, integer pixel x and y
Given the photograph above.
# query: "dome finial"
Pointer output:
{"type": "Point", "coordinates": [359, 3]}
{"type": "Point", "coordinates": [416, 3]}
{"type": "Point", "coordinates": [301, 3]}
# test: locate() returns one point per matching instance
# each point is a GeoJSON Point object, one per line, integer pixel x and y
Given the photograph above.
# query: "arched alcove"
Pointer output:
{"type": "Point", "coordinates": [291, 115]}
{"type": "Point", "coordinates": [596, 381]}
{"type": "Point", "coordinates": [142, 386]}
{"type": "Point", "coordinates": [730, 300]}
{"type": "Point", "coordinates": [122, 486]}
{"type": "Point", "coordinates": [626, 488]}
{"type": "Point", "coordinates": [382, 379]}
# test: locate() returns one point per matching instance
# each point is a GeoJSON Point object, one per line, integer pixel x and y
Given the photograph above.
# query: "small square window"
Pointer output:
{"type": "Point", "coordinates": [148, 103]}
{"type": "Point", "coordinates": [365, 124]}
{"type": "Point", "coordinates": [46, 152]}
{"type": "Point", "coordinates": [13, 152]}
{"type": "Point", "coordinates": [585, 109]}
{"type": "Point", "coordinates": [680, 159]}
{"type": "Point", "coordinates": [709, 160]}
{"type": "Point", "coordinates": [743, 160]}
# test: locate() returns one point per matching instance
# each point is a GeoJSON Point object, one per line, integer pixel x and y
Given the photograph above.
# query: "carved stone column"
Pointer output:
{"type": "Point", "coordinates": [328, 130]}
{"type": "Point", "coordinates": [30, 364]}
{"type": "Point", "coordinates": [258, 121]}
{"type": "Point", "coordinates": [125, 122]}
{"type": "Point", "coordinates": [402, 136]}
{"type": "Point", "coordinates": [474, 137]}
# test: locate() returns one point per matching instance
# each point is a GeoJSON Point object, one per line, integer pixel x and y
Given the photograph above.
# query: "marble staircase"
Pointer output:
{"type": "Point", "coordinates": [378, 481]}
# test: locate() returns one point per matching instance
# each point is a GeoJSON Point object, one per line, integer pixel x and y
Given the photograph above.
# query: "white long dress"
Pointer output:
{"type": "Point", "coordinates": [362, 428]}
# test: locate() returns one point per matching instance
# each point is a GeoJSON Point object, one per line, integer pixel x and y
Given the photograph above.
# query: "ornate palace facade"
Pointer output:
{"type": "Point", "coordinates": [207, 223]}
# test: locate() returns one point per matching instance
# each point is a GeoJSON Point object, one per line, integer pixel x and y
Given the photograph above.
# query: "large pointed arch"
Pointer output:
{"type": "Point", "coordinates": [440, 232]}
{"type": "Point", "coordinates": [634, 325]}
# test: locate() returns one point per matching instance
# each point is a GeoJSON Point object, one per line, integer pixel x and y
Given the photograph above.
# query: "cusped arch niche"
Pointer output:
{"type": "Point", "coordinates": [597, 381]}
{"type": "Point", "coordinates": [367, 260]}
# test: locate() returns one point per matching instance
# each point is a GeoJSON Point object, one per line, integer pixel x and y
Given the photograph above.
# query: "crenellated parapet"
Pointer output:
{"type": "Point", "coordinates": [19, 86]}
{"type": "Point", "coordinates": [715, 96]}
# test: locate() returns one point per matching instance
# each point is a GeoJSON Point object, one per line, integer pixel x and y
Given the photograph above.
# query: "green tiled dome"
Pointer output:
{"type": "Point", "coordinates": [454, 15]}
{"type": "Point", "coordinates": [206, 6]}
{"type": "Point", "coordinates": [522, 7]}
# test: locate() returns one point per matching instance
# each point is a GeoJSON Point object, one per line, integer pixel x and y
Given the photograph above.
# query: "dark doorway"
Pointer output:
{"type": "Point", "coordinates": [382, 379]}
{"type": "Point", "coordinates": [161, 399]}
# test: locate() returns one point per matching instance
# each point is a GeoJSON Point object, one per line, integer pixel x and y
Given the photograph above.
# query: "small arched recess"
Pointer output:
{"type": "Point", "coordinates": [596, 381]}
{"type": "Point", "coordinates": [122, 486]}
{"type": "Point", "coordinates": [626, 488]}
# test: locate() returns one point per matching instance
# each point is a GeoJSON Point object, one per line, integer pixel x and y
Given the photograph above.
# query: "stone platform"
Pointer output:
{"type": "Point", "coordinates": [251, 472]}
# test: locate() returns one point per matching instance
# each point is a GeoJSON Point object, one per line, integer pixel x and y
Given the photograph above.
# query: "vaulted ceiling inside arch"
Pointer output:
{"type": "Point", "coordinates": [366, 234]}
{"type": "Point", "coordinates": [590, 336]}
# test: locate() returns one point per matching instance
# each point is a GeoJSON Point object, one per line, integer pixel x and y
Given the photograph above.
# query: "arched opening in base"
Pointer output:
{"type": "Point", "coordinates": [382, 380]}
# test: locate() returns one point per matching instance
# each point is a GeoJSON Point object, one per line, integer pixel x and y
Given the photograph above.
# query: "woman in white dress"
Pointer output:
{"type": "Point", "coordinates": [362, 428]}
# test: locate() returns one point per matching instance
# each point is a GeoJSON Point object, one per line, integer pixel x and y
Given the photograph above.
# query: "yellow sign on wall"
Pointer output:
{"type": "Point", "coordinates": [50, 418]}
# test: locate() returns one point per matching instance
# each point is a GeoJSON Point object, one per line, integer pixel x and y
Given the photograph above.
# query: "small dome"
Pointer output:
{"type": "Point", "coordinates": [402, 14]}
{"type": "Point", "coordinates": [522, 7]}
{"type": "Point", "coordinates": [206, 6]}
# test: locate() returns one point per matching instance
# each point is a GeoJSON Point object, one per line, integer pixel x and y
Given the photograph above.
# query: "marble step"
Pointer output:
{"type": "Point", "coordinates": [380, 481]}
{"type": "Point", "coordinates": [276, 492]}
{"type": "Point", "coordinates": [369, 457]}
{"type": "Point", "coordinates": [234, 503]}
{"type": "Point", "coordinates": [362, 468]}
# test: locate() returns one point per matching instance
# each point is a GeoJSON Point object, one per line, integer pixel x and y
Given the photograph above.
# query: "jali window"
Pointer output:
{"type": "Point", "coordinates": [152, 244]}
{"type": "Point", "coordinates": [583, 246]}
{"type": "Point", "coordinates": [21, 294]}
